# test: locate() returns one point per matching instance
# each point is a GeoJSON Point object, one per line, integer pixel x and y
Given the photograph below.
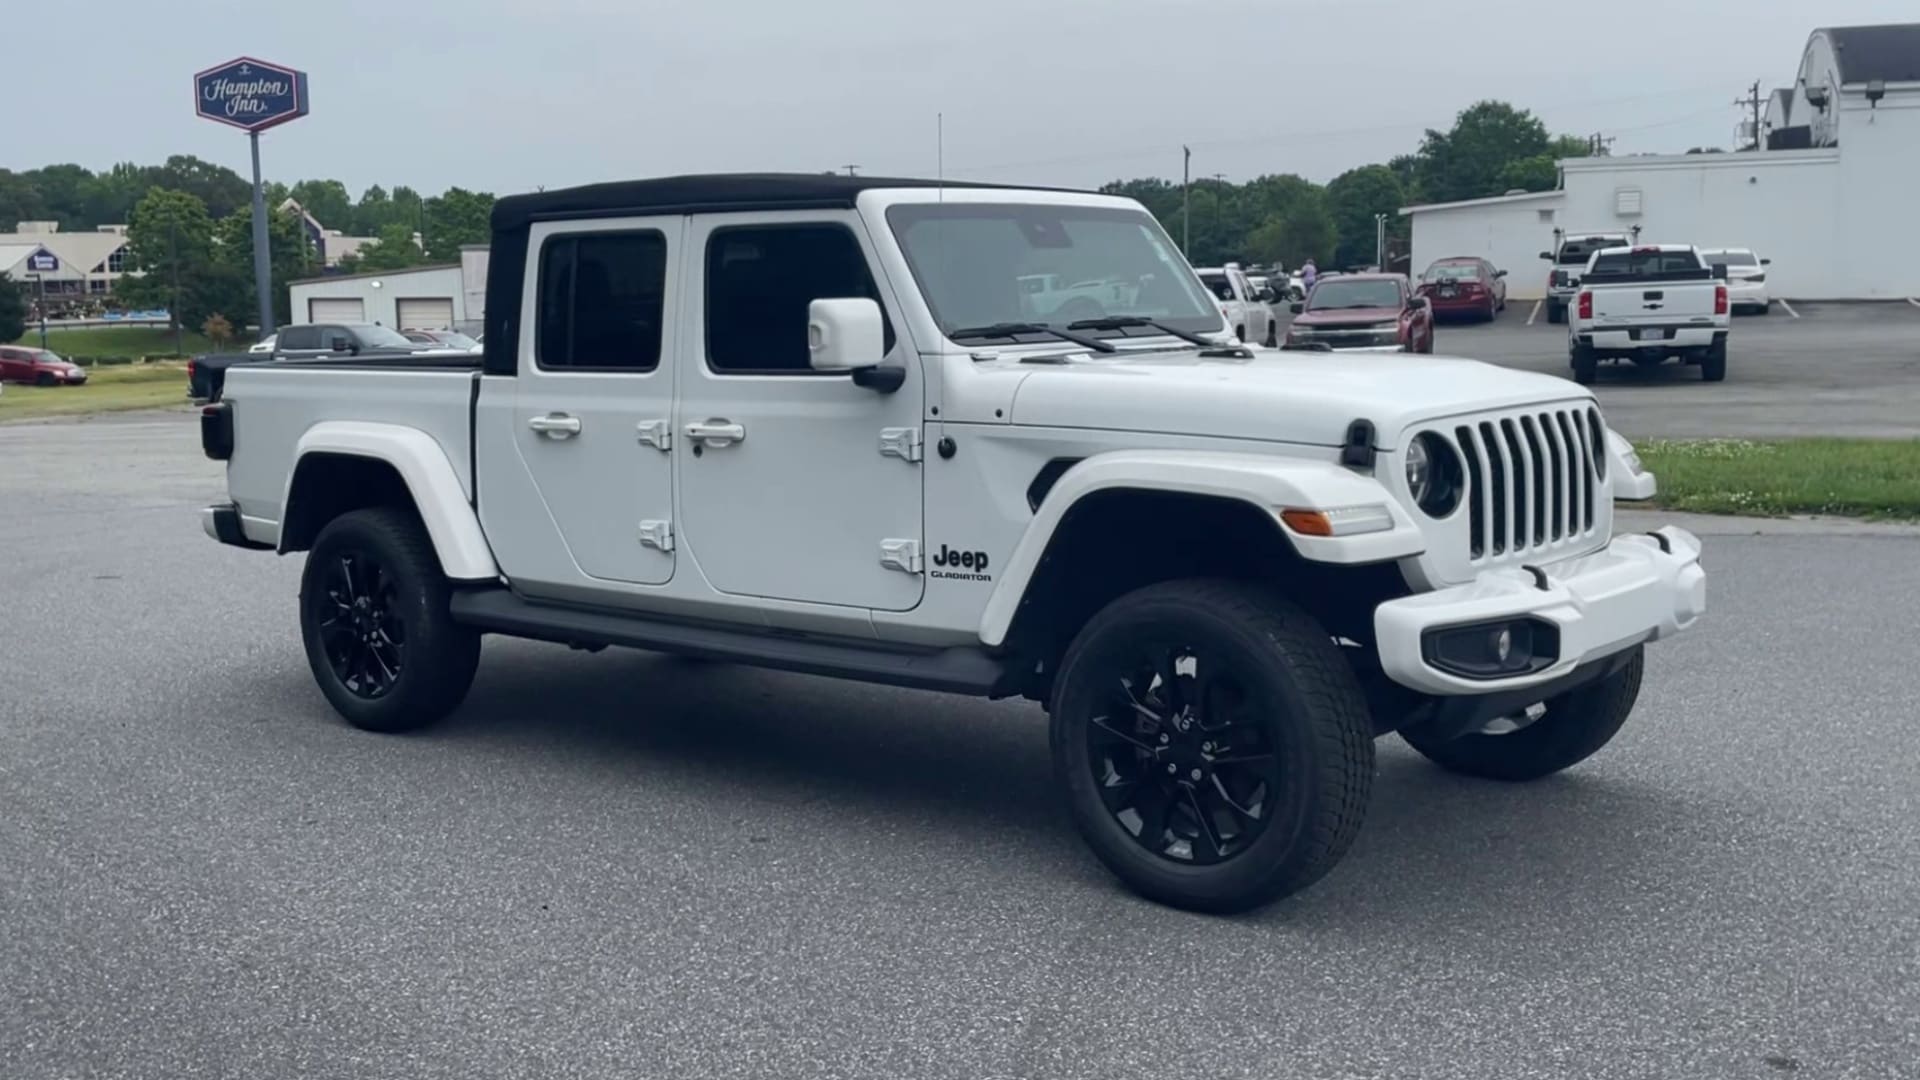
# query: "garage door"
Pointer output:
{"type": "Point", "coordinates": [337, 310]}
{"type": "Point", "coordinates": [434, 314]}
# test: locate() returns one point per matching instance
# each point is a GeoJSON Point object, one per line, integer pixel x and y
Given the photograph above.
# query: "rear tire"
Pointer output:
{"type": "Point", "coordinates": [1713, 366]}
{"type": "Point", "coordinates": [1586, 366]}
{"type": "Point", "coordinates": [1576, 725]}
{"type": "Point", "coordinates": [382, 644]}
{"type": "Point", "coordinates": [1214, 747]}
{"type": "Point", "coordinates": [1273, 335]}
{"type": "Point", "coordinates": [1765, 309]}
{"type": "Point", "coordinates": [1556, 314]}
{"type": "Point", "coordinates": [1240, 333]}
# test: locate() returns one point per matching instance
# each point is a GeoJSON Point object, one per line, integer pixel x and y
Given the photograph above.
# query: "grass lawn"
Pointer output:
{"type": "Point", "coordinates": [1847, 477]}
{"type": "Point", "coordinates": [135, 341]}
{"type": "Point", "coordinates": [107, 389]}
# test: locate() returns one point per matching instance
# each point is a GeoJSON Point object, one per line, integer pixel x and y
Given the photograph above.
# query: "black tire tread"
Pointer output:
{"type": "Point", "coordinates": [1575, 728]}
{"type": "Point", "coordinates": [443, 656]}
{"type": "Point", "coordinates": [1336, 707]}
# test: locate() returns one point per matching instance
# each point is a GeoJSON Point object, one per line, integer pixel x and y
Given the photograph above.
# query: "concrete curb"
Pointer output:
{"type": "Point", "coordinates": [1718, 525]}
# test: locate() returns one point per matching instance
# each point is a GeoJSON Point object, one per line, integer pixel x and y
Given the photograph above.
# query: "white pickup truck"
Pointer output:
{"type": "Point", "coordinates": [800, 422]}
{"type": "Point", "coordinates": [1649, 304]}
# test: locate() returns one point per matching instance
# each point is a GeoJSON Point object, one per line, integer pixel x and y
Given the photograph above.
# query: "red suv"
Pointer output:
{"type": "Point", "coordinates": [1465, 286]}
{"type": "Point", "coordinates": [38, 366]}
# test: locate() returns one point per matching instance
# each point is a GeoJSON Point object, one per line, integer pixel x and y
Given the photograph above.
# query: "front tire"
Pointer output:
{"type": "Point", "coordinates": [1574, 728]}
{"type": "Point", "coordinates": [1214, 748]}
{"type": "Point", "coordinates": [1273, 335]}
{"type": "Point", "coordinates": [382, 644]}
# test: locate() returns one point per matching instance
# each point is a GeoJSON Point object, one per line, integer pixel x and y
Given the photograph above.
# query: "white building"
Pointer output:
{"type": "Point", "coordinates": [450, 296]}
{"type": "Point", "coordinates": [1832, 201]}
{"type": "Point", "coordinates": [66, 267]}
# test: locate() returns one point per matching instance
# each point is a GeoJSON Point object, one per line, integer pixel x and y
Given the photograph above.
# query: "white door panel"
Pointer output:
{"type": "Point", "coordinates": [586, 391]}
{"type": "Point", "coordinates": [784, 490]}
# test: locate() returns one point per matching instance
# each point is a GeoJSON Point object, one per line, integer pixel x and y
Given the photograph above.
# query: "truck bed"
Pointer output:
{"type": "Point", "coordinates": [206, 375]}
{"type": "Point", "coordinates": [275, 404]}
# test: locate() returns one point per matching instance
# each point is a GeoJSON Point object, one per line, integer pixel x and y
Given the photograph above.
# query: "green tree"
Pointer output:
{"type": "Point", "coordinates": [378, 209]}
{"type": "Point", "coordinates": [326, 200]}
{"type": "Point", "coordinates": [393, 249]}
{"type": "Point", "coordinates": [289, 257]}
{"type": "Point", "coordinates": [63, 191]}
{"type": "Point", "coordinates": [170, 245]}
{"type": "Point", "coordinates": [13, 310]}
{"type": "Point", "coordinates": [457, 217]}
{"type": "Point", "coordinates": [220, 188]}
{"type": "Point", "coordinates": [1469, 161]}
{"type": "Point", "coordinates": [1354, 197]}
{"type": "Point", "coordinates": [19, 200]}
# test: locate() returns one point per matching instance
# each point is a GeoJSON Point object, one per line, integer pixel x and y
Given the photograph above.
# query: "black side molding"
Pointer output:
{"type": "Point", "coordinates": [969, 671]}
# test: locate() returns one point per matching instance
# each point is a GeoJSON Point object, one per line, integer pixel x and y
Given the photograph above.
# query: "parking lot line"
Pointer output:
{"type": "Point", "coordinates": [1535, 313]}
{"type": "Point", "coordinates": [1788, 308]}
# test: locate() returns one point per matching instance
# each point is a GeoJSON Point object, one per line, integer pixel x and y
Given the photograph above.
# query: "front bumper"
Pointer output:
{"type": "Point", "coordinates": [1638, 588]}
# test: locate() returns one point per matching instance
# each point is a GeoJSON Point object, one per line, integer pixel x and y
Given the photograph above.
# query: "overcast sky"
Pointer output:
{"type": "Point", "coordinates": [505, 96]}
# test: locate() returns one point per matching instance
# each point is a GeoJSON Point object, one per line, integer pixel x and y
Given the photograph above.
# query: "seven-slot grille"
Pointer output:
{"type": "Point", "coordinates": [1533, 479]}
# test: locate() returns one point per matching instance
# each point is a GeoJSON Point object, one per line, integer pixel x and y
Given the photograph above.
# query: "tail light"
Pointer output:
{"type": "Point", "coordinates": [192, 366]}
{"type": "Point", "coordinates": [1586, 304]}
{"type": "Point", "coordinates": [1719, 299]}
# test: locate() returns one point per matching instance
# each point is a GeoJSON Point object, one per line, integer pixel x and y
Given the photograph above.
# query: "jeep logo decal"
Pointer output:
{"type": "Point", "coordinates": [961, 565]}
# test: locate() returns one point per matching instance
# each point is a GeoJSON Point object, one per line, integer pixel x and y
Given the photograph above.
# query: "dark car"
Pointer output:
{"type": "Point", "coordinates": [1363, 313]}
{"type": "Point", "coordinates": [304, 341]}
{"type": "Point", "coordinates": [39, 367]}
{"type": "Point", "coordinates": [442, 339]}
{"type": "Point", "coordinates": [1465, 286]}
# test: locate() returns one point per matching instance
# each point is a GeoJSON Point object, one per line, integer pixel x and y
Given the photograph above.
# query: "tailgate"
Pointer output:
{"type": "Point", "coordinates": [1635, 303]}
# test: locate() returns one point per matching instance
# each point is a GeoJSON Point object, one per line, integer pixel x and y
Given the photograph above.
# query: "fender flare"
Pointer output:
{"type": "Point", "coordinates": [422, 464]}
{"type": "Point", "coordinates": [1265, 481]}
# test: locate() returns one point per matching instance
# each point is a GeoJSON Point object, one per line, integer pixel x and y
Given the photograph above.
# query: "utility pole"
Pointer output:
{"type": "Point", "coordinates": [1753, 101]}
{"type": "Point", "coordinates": [1186, 202]}
{"type": "Point", "coordinates": [850, 169]}
{"type": "Point", "coordinates": [173, 265]}
{"type": "Point", "coordinates": [1219, 181]}
{"type": "Point", "coordinates": [40, 288]}
{"type": "Point", "coordinates": [1599, 145]}
{"type": "Point", "coordinates": [1380, 241]}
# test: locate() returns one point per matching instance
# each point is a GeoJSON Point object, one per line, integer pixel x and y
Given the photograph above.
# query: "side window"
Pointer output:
{"type": "Point", "coordinates": [602, 301]}
{"type": "Point", "coordinates": [760, 281]}
{"type": "Point", "coordinates": [299, 337]}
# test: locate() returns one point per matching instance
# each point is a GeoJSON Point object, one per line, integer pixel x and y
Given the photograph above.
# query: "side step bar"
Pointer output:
{"type": "Point", "coordinates": [967, 671]}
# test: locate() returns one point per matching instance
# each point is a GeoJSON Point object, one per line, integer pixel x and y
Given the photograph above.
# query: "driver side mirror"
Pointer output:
{"type": "Point", "coordinates": [1547, 255]}
{"type": "Point", "coordinates": [1499, 273]}
{"type": "Point", "coordinates": [342, 345]}
{"type": "Point", "coordinates": [1720, 271]}
{"type": "Point", "coordinates": [1297, 307]}
{"type": "Point", "coordinates": [849, 335]}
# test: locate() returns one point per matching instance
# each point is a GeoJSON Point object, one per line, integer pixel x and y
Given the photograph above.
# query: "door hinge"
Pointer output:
{"type": "Point", "coordinates": [657, 534]}
{"type": "Point", "coordinates": [900, 442]}
{"type": "Point", "coordinates": [657, 434]}
{"type": "Point", "coordinates": [901, 555]}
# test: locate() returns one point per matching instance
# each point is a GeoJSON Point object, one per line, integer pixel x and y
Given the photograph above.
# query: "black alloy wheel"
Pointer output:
{"type": "Point", "coordinates": [1180, 757]}
{"type": "Point", "coordinates": [362, 635]}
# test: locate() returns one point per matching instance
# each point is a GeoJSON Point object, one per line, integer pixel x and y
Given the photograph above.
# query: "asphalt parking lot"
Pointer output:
{"type": "Point", "coordinates": [624, 865]}
{"type": "Point", "coordinates": [1837, 369]}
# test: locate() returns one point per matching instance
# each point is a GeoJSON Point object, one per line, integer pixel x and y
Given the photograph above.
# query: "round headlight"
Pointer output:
{"type": "Point", "coordinates": [1435, 477]}
{"type": "Point", "coordinates": [1419, 469]}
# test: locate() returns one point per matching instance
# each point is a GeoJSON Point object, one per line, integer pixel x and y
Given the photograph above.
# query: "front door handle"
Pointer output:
{"type": "Point", "coordinates": [717, 433]}
{"type": "Point", "coordinates": [555, 425]}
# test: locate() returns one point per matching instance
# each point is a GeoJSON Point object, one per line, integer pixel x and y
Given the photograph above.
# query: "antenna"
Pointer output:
{"type": "Point", "coordinates": [940, 150]}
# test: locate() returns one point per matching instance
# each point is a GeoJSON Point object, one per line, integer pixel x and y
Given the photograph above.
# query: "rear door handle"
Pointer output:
{"type": "Point", "coordinates": [717, 433]}
{"type": "Point", "coordinates": [556, 425]}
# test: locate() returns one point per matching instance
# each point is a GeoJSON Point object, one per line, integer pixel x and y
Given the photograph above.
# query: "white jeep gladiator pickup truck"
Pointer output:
{"type": "Point", "coordinates": [1648, 304]}
{"type": "Point", "coordinates": [810, 423]}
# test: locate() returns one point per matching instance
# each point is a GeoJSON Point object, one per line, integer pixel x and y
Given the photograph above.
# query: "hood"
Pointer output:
{"type": "Point", "coordinates": [1345, 316]}
{"type": "Point", "coordinates": [1295, 397]}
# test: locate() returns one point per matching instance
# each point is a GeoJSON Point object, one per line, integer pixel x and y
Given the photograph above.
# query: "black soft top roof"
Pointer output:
{"type": "Point", "coordinates": [717, 192]}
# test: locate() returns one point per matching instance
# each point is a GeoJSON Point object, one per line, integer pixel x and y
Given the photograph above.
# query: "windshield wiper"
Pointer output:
{"type": "Point", "coordinates": [1015, 329]}
{"type": "Point", "coordinates": [1128, 322]}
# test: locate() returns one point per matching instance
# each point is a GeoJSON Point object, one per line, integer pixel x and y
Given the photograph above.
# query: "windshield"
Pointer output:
{"type": "Point", "coordinates": [1218, 284]}
{"type": "Point", "coordinates": [1730, 258]}
{"type": "Point", "coordinates": [983, 265]}
{"type": "Point", "coordinates": [1336, 293]}
{"type": "Point", "coordinates": [45, 357]}
{"type": "Point", "coordinates": [1453, 272]}
{"type": "Point", "coordinates": [1577, 252]}
{"type": "Point", "coordinates": [379, 337]}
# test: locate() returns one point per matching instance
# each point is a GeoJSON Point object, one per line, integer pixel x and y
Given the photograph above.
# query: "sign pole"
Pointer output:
{"type": "Point", "coordinates": [40, 287]}
{"type": "Point", "coordinates": [262, 264]}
